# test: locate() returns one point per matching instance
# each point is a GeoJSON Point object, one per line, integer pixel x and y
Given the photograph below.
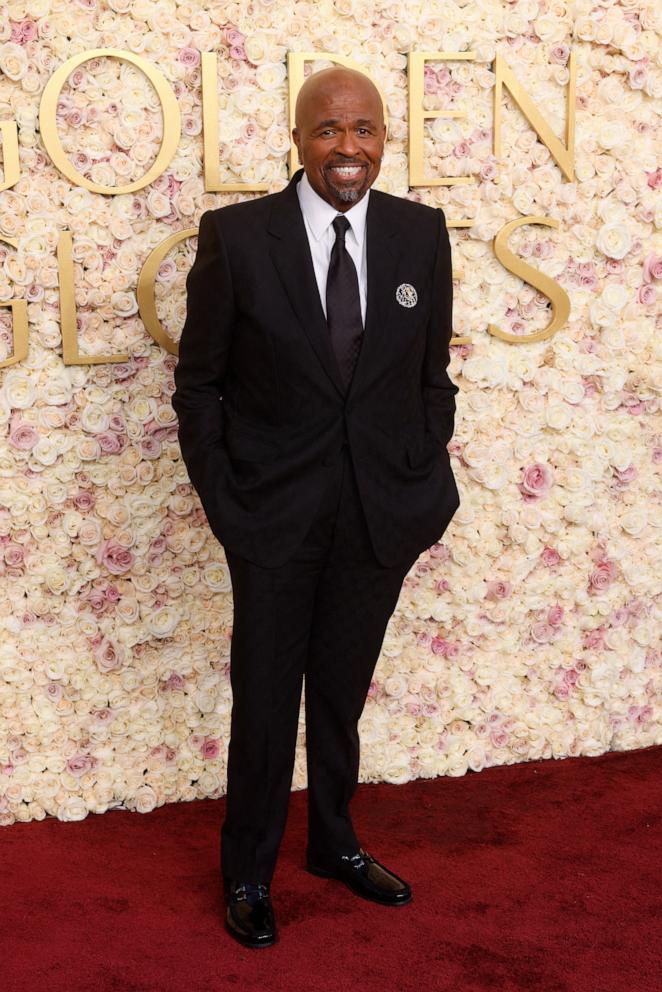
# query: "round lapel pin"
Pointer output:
{"type": "Point", "coordinates": [406, 295]}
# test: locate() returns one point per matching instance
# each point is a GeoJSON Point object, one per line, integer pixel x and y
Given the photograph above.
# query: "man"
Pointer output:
{"type": "Point", "coordinates": [314, 411]}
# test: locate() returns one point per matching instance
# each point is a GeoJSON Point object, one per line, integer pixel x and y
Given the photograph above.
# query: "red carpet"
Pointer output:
{"type": "Point", "coordinates": [543, 876]}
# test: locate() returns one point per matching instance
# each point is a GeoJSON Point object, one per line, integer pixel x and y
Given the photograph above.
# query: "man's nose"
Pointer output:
{"type": "Point", "coordinates": [347, 144]}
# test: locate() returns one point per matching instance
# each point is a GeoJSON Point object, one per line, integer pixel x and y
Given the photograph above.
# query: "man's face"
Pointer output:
{"type": "Point", "coordinates": [340, 138]}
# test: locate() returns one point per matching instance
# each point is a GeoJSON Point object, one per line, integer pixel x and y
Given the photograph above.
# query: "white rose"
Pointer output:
{"type": "Point", "coordinates": [13, 60]}
{"type": "Point", "coordinates": [163, 622]}
{"type": "Point", "coordinates": [144, 799]}
{"type": "Point", "coordinates": [217, 576]}
{"type": "Point", "coordinates": [634, 522]}
{"type": "Point", "coordinates": [613, 240]}
{"type": "Point", "coordinates": [611, 134]}
{"type": "Point", "coordinates": [615, 295]}
{"type": "Point", "coordinates": [19, 389]}
{"type": "Point", "coordinates": [270, 75]}
{"type": "Point", "coordinates": [73, 808]}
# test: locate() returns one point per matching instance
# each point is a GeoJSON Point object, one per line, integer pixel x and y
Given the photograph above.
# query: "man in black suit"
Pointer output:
{"type": "Point", "coordinates": [314, 411]}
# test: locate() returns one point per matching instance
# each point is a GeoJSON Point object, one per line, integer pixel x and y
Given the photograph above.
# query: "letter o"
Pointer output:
{"type": "Point", "coordinates": [51, 139]}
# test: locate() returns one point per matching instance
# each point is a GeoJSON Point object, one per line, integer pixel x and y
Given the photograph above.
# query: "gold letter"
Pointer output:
{"type": "Point", "coordinates": [9, 133]}
{"type": "Point", "coordinates": [558, 296]}
{"type": "Point", "coordinates": [296, 62]}
{"type": "Point", "coordinates": [213, 183]}
{"type": "Point", "coordinates": [48, 122]}
{"type": "Point", "coordinates": [70, 352]}
{"type": "Point", "coordinates": [562, 156]}
{"type": "Point", "coordinates": [146, 282]}
{"type": "Point", "coordinates": [19, 323]}
{"type": "Point", "coordinates": [418, 116]}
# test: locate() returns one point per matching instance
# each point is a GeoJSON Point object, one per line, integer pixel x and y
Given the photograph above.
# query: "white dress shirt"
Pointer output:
{"type": "Point", "coordinates": [318, 216]}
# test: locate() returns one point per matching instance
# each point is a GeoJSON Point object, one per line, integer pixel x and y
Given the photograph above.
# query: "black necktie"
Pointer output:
{"type": "Point", "coordinates": [343, 303]}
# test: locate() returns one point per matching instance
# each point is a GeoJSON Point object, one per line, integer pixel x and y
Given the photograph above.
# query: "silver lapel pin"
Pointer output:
{"type": "Point", "coordinates": [406, 295]}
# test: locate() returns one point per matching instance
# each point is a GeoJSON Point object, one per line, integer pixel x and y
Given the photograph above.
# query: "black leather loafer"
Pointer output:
{"type": "Point", "coordinates": [365, 876]}
{"type": "Point", "coordinates": [249, 917]}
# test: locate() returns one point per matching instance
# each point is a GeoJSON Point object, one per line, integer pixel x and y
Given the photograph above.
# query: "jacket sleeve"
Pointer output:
{"type": "Point", "coordinates": [199, 376]}
{"type": "Point", "coordinates": [438, 388]}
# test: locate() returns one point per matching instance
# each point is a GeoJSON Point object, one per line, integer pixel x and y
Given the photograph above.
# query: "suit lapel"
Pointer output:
{"type": "Point", "coordinates": [381, 262]}
{"type": "Point", "coordinates": [291, 256]}
{"type": "Point", "coordinates": [290, 253]}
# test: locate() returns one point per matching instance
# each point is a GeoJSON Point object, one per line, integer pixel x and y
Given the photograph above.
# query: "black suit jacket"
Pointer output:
{"type": "Point", "coordinates": [259, 398]}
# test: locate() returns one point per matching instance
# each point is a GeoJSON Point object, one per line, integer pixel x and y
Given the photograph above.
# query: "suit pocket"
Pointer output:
{"type": "Point", "coordinates": [423, 454]}
{"type": "Point", "coordinates": [244, 446]}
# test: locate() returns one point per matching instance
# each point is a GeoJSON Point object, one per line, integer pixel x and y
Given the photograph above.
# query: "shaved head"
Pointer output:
{"type": "Point", "coordinates": [340, 134]}
{"type": "Point", "coordinates": [328, 80]}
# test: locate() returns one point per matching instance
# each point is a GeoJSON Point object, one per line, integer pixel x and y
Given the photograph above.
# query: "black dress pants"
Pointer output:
{"type": "Point", "coordinates": [322, 615]}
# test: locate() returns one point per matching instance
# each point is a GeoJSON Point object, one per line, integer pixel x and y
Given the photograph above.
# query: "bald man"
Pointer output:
{"type": "Point", "coordinates": [314, 411]}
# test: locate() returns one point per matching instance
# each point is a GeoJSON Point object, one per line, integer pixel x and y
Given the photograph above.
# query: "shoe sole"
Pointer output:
{"type": "Point", "coordinates": [324, 873]}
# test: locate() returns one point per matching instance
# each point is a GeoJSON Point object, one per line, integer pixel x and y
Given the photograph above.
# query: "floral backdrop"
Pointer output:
{"type": "Point", "coordinates": [533, 629]}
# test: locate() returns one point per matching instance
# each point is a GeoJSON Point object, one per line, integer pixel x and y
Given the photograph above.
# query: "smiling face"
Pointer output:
{"type": "Point", "coordinates": [340, 135]}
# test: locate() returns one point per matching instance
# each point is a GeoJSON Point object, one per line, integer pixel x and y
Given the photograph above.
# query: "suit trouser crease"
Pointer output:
{"type": "Point", "coordinates": [321, 616]}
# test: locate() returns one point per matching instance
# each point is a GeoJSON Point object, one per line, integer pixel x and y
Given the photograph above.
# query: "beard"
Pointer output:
{"type": "Point", "coordinates": [347, 194]}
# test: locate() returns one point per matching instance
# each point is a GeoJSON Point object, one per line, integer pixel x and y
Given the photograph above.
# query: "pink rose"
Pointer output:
{"type": "Point", "coordinates": [23, 31]}
{"type": "Point", "coordinates": [627, 474]}
{"type": "Point", "coordinates": [210, 748]}
{"type": "Point", "coordinates": [440, 552]}
{"type": "Point", "coordinates": [83, 500]}
{"type": "Point", "coordinates": [542, 632]}
{"type": "Point", "coordinates": [233, 35]}
{"type": "Point", "coordinates": [499, 737]}
{"type": "Point", "coordinates": [462, 149]}
{"type": "Point", "coordinates": [114, 557]}
{"type": "Point", "coordinates": [549, 556]}
{"type": "Point", "coordinates": [594, 639]}
{"type": "Point", "coordinates": [112, 594]}
{"type": "Point", "coordinates": [53, 691]}
{"type": "Point", "coordinates": [536, 482]}
{"type": "Point", "coordinates": [189, 57]}
{"type": "Point", "coordinates": [14, 555]}
{"type": "Point", "coordinates": [555, 615]}
{"type": "Point", "coordinates": [488, 171]}
{"type": "Point", "coordinates": [638, 77]}
{"type": "Point", "coordinates": [80, 765]}
{"type": "Point", "coordinates": [497, 589]}
{"type": "Point", "coordinates": [646, 295]}
{"type": "Point", "coordinates": [654, 180]}
{"type": "Point", "coordinates": [110, 443]}
{"type": "Point", "coordinates": [559, 54]}
{"type": "Point", "coordinates": [103, 715]}
{"type": "Point", "coordinates": [96, 601]}
{"type": "Point", "coordinates": [150, 447]}
{"type": "Point", "coordinates": [602, 575]}
{"type": "Point", "coordinates": [23, 436]}
{"type": "Point", "coordinates": [108, 656]}
{"type": "Point", "coordinates": [652, 267]}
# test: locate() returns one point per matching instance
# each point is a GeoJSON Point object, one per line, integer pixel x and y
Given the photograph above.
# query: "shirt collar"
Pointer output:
{"type": "Point", "coordinates": [320, 214]}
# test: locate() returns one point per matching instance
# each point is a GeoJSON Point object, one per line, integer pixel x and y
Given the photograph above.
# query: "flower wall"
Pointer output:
{"type": "Point", "coordinates": [532, 630]}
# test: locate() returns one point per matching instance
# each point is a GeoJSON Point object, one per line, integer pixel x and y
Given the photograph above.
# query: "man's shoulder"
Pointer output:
{"type": "Point", "coordinates": [244, 211]}
{"type": "Point", "coordinates": [400, 208]}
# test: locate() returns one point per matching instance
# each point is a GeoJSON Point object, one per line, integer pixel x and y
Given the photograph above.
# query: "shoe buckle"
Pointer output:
{"type": "Point", "coordinates": [355, 860]}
